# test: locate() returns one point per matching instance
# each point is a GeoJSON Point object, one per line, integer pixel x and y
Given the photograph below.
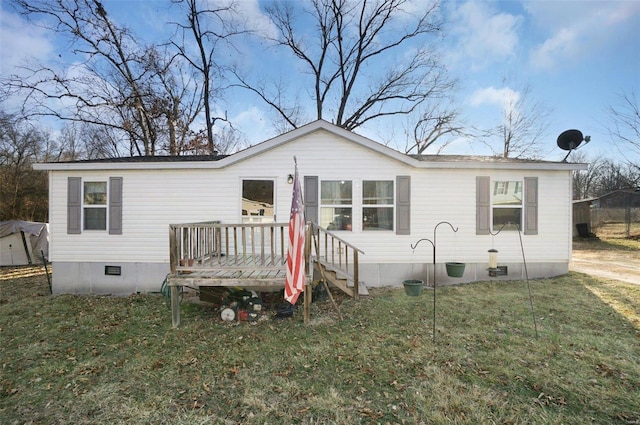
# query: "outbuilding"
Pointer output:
{"type": "Point", "coordinates": [23, 243]}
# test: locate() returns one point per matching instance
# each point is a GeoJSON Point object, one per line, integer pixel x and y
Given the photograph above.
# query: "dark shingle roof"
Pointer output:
{"type": "Point", "coordinates": [156, 158]}
{"type": "Point", "coordinates": [204, 158]}
{"type": "Point", "coordinates": [474, 158]}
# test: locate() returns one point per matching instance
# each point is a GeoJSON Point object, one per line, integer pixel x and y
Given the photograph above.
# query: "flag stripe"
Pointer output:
{"type": "Point", "coordinates": [295, 280]}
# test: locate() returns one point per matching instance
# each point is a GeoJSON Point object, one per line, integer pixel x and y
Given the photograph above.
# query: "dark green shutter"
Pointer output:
{"type": "Point", "coordinates": [74, 205]}
{"type": "Point", "coordinates": [483, 205]}
{"type": "Point", "coordinates": [311, 199]}
{"type": "Point", "coordinates": [115, 205]}
{"type": "Point", "coordinates": [530, 205]}
{"type": "Point", "coordinates": [403, 205]}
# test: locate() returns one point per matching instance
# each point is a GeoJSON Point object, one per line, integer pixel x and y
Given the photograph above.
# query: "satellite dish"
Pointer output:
{"type": "Point", "coordinates": [569, 140]}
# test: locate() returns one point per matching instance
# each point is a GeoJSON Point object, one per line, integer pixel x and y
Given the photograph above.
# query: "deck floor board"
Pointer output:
{"type": "Point", "coordinates": [240, 271]}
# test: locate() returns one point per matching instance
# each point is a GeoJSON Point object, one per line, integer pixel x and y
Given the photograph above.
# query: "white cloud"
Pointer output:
{"type": "Point", "coordinates": [253, 123]}
{"type": "Point", "coordinates": [255, 19]}
{"type": "Point", "coordinates": [482, 35]}
{"type": "Point", "coordinates": [20, 41]}
{"type": "Point", "coordinates": [503, 97]}
{"type": "Point", "coordinates": [576, 30]}
{"type": "Point", "coordinates": [562, 45]}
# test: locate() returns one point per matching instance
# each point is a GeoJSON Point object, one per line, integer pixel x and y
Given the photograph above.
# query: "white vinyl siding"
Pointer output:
{"type": "Point", "coordinates": [153, 199]}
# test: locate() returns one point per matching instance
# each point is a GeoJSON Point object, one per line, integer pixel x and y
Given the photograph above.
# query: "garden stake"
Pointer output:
{"type": "Point", "coordinates": [526, 272]}
{"type": "Point", "coordinates": [433, 243]}
{"type": "Point", "coordinates": [526, 275]}
{"type": "Point", "coordinates": [46, 270]}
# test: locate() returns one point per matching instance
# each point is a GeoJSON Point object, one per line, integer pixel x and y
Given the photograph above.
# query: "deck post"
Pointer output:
{"type": "Point", "coordinates": [356, 275]}
{"type": "Point", "coordinates": [175, 306]}
{"type": "Point", "coordinates": [173, 248]}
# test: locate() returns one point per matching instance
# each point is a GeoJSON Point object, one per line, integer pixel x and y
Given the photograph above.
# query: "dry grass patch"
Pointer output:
{"type": "Point", "coordinates": [76, 359]}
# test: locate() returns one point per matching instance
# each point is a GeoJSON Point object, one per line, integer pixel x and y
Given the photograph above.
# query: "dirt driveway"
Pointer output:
{"type": "Point", "coordinates": [608, 264]}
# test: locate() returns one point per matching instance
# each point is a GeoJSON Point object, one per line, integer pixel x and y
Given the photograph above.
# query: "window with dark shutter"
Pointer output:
{"type": "Point", "coordinates": [115, 206]}
{"type": "Point", "coordinates": [311, 198]}
{"type": "Point", "coordinates": [530, 206]}
{"type": "Point", "coordinates": [403, 205]}
{"type": "Point", "coordinates": [74, 205]}
{"type": "Point", "coordinates": [483, 205]}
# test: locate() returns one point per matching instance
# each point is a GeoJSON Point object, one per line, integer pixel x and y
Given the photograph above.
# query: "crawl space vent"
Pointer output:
{"type": "Point", "coordinates": [112, 270]}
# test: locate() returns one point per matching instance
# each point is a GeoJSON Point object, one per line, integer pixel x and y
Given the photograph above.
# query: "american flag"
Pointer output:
{"type": "Point", "coordinates": [294, 283]}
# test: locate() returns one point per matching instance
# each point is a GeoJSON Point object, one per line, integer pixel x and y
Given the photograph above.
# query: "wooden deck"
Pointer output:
{"type": "Point", "coordinates": [253, 256]}
{"type": "Point", "coordinates": [242, 255]}
{"type": "Point", "coordinates": [242, 271]}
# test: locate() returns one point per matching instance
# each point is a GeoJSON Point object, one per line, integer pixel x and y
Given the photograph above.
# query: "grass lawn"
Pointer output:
{"type": "Point", "coordinates": [87, 360]}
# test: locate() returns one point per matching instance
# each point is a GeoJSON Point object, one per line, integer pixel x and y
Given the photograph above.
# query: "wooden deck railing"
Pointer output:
{"type": "Point", "coordinates": [210, 245]}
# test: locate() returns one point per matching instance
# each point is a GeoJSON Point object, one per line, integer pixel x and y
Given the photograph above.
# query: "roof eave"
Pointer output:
{"type": "Point", "coordinates": [227, 161]}
{"type": "Point", "coordinates": [78, 166]}
{"type": "Point", "coordinates": [547, 166]}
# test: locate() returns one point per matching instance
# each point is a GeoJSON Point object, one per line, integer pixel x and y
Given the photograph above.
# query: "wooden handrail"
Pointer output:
{"type": "Point", "coordinates": [334, 252]}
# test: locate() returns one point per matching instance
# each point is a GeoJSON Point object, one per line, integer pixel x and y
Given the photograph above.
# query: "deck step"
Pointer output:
{"type": "Point", "coordinates": [340, 279]}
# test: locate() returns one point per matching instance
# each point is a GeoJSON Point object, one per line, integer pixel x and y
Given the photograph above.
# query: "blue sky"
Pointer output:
{"type": "Point", "coordinates": [577, 57]}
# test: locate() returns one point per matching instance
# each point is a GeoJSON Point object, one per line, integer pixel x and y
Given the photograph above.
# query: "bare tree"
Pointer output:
{"type": "Point", "coordinates": [524, 123]}
{"type": "Point", "coordinates": [67, 147]}
{"type": "Point", "coordinates": [434, 125]}
{"type": "Point", "coordinates": [585, 182]}
{"type": "Point", "coordinates": [209, 24]}
{"type": "Point", "coordinates": [228, 140]}
{"type": "Point", "coordinates": [105, 85]}
{"type": "Point", "coordinates": [625, 127]}
{"type": "Point", "coordinates": [615, 176]}
{"type": "Point", "coordinates": [288, 112]}
{"type": "Point", "coordinates": [121, 87]}
{"type": "Point", "coordinates": [356, 59]}
{"type": "Point", "coordinates": [23, 191]}
{"type": "Point", "coordinates": [603, 176]}
{"type": "Point", "coordinates": [181, 103]}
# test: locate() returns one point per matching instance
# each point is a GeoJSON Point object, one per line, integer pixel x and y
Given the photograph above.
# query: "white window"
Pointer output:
{"type": "Point", "coordinates": [336, 204]}
{"type": "Point", "coordinates": [94, 202]}
{"type": "Point", "coordinates": [507, 205]}
{"type": "Point", "coordinates": [377, 205]}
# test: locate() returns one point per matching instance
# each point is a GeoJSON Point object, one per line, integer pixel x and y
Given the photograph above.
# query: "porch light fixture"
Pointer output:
{"type": "Point", "coordinates": [290, 179]}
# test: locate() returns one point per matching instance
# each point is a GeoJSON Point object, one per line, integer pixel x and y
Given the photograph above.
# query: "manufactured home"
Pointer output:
{"type": "Point", "coordinates": [119, 226]}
